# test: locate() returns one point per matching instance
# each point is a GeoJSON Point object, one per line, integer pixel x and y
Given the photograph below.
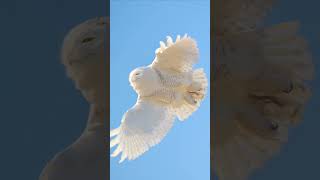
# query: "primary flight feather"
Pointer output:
{"type": "Point", "coordinates": [167, 88]}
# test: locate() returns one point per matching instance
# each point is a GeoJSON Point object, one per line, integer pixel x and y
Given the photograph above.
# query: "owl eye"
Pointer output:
{"type": "Point", "coordinates": [136, 74]}
{"type": "Point", "coordinates": [274, 126]}
{"type": "Point", "coordinates": [88, 39]}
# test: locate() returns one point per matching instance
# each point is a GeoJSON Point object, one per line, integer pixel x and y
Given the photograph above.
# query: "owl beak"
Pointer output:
{"type": "Point", "coordinates": [134, 79]}
{"type": "Point", "coordinates": [137, 78]}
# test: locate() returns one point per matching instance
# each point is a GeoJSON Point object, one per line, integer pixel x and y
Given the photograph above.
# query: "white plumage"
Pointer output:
{"type": "Point", "coordinates": [260, 84]}
{"type": "Point", "coordinates": [167, 88]}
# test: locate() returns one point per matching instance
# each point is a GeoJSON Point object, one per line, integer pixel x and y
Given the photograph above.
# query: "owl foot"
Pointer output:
{"type": "Point", "coordinates": [196, 94]}
{"type": "Point", "coordinates": [194, 87]}
{"type": "Point", "coordinates": [188, 97]}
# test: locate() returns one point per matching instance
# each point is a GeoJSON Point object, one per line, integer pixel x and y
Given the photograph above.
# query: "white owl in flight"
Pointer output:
{"type": "Point", "coordinates": [167, 88]}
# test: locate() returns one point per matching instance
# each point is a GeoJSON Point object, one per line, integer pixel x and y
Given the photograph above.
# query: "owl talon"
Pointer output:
{"type": "Point", "coordinates": [197, 94]}
{"type": "Point", "coordinates": [190, 99]}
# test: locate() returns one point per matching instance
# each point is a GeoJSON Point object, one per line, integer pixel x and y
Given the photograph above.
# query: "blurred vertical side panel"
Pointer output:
{"type": "Point", "coordinates": [85, 56]}
{"type": "Point", "coordinates": [212, 85]}
{"type": "Point", "coordinates": [107, 90]}
{"type": "Point", "coordinates": [263, 73]}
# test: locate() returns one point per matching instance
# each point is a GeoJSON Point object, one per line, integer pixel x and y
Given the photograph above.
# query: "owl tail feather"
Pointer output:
{"type": "Point", "coordinates": [194, 95]}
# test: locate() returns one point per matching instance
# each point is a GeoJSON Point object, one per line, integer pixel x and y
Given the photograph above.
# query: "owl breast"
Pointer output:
{"type": "Point", "coordinates": [173, 79]}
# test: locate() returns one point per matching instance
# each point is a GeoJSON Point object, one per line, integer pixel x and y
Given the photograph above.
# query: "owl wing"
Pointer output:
{"type": "Point", "coordinates": [255, 132]}
{"type": "Point", "coordinates": [178, 56]}
{"type": "Point", "coordinates": [234, 16]}
{"type": "Point", "coordinates": [235, 40]}
{"type": "Point", "coordinates": [142, 127]}
{"type": "Point", "coordinates": [264, 94]}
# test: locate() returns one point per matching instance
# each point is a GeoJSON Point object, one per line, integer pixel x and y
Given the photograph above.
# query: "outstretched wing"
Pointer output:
{"type": "Point", "coordinates": [234, 16]}
{"type": "Point", "coordinates": [142, 127]}
{"type": "Point", "coordinates": [261, 93]}
{"type": "Point", "coordinates": [178, 56]}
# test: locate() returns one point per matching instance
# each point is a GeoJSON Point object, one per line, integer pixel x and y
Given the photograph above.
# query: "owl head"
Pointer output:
{"type": "Point", "coordinates": [143, 80]}
{"type": "Point", "coordinates": [84, 56]}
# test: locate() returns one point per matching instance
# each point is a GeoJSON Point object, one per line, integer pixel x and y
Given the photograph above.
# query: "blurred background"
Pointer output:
{"type": "Point", "coordinates": [136, 29]}
{"type": "Point", "coordinates": [299, 158]}
{"type": "Point", "coordinates": [41, 111]}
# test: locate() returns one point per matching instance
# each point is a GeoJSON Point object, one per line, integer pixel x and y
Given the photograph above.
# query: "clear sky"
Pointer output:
{"type": "Point", "coordinates": [136, 29]}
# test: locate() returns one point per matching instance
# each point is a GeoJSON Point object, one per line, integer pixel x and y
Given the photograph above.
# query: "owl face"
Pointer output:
{"type": "Point", "coordinates": [136, 75]}
{"type": "Point", "coordinates": [143, 80]}
{"type": "Point", "coordinates": [84, 58]}
{"type": "Point", "coordinates": [85, 42]}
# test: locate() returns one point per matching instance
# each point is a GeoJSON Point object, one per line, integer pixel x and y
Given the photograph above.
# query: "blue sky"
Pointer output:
{"type": "Point", "coordinates": [136, 29]}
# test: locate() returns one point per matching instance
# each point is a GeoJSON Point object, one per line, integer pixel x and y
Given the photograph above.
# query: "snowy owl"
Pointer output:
{"type": "Point", "coordinates": [260, 83]}
{"type": "Point", "coordinates": [167, 88]}
{"type": "Point", "coordinates": [84, 57]}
